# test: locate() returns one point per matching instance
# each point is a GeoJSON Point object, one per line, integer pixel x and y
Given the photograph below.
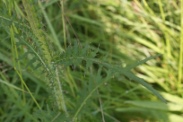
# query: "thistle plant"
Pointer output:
{"type": "Point", "coordinates": [82, 79]}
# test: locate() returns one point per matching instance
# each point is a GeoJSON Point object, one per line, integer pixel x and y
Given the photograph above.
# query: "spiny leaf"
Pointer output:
{"type": "Point", "coordinates": [95, 81]}
{"type": "Point", "coordinates": [75, 55]}
{"type": "Point", "coordinates": [126, 72]}
{"type": "Point", "coordinates": [129, 67]}
{"type": "Point", "coordinates": [131, 76]}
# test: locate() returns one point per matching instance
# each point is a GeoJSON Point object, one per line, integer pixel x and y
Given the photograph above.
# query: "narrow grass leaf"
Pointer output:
{"type": "Point", "coordinates": [131, 76]}
{"type": "Point", "coordinates": [157, 105]}
{"type": "Point", "coordinates": [129, 67]}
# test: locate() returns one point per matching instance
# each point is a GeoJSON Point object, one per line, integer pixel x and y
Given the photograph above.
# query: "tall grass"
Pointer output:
{"type": "Point", "coordinates": [82, 61]}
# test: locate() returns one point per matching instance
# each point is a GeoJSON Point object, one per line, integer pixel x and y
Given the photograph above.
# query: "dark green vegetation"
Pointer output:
{"type": "Point", "coordinates": [91, 61]}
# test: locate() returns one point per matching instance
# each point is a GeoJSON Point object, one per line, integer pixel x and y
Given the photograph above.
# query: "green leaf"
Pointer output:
{"type": "Point", "coordinates": [131, 66]}
{"type": "Point", "coordinates": [157, 105]}
{"type": "Point", "coordinates": [131, 76]}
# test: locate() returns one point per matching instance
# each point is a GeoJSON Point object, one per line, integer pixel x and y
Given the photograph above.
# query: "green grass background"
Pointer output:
{"type": "Point", "coordinates": [106, 35]}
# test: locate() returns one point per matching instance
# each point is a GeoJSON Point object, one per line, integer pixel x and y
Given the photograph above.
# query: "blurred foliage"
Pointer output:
{"type": "Point", "coordinates": [119, 33]}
